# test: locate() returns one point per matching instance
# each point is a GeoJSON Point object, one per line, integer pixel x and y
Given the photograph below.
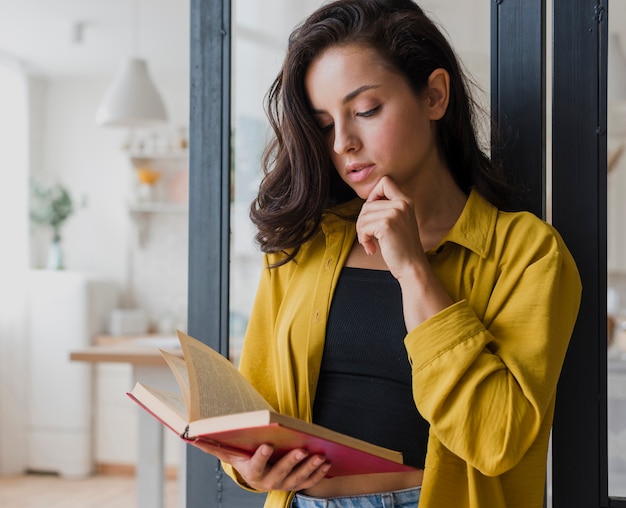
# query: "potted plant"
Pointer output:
{"type": "Point", "coordinates": [51, 207]}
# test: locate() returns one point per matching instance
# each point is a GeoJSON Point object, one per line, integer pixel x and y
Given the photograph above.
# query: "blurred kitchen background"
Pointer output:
{"type": "Point", "coordinates": [119, 269]}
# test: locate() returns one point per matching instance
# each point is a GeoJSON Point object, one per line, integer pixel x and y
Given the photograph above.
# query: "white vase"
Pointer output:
{"type": "Point", "coordinates": [55, 256]}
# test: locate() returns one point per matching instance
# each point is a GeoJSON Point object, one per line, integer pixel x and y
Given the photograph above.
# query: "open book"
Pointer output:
{"type": "Point", "coordinates": [220, 406]}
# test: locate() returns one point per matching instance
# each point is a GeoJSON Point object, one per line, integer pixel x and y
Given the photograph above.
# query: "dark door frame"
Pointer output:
{"type": "Point", "coordinates": [518, 98]}
{"type": "Point", "coordinates": [578, 209]}
{"type": "Point", "coordinates": [209, 216]}
{"type": "Point", "coordinates": [580, 214]}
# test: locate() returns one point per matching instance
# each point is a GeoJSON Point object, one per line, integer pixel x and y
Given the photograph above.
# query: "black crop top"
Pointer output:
{"type": "Point", "coordinates": [364, 388]}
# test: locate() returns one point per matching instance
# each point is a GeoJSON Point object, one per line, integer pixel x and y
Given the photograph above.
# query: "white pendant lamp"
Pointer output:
{"type": "Point", "coordinates": [132, 99]}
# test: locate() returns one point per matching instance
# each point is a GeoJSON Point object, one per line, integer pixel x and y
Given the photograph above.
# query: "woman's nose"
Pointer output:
{"type": "Point", "coordinates": [346, 140]}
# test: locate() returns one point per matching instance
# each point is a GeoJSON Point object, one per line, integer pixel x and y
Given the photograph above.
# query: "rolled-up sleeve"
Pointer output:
{"type": "Point", "coordinates": [485, 379]}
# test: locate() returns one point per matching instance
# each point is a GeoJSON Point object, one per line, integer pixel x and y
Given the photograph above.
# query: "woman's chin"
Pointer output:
{"type": "Point", "coordinates": [363, 191]}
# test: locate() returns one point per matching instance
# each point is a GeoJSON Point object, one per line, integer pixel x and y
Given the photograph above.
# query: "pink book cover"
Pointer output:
{"type": "Point", "coordinates": [344, 460]}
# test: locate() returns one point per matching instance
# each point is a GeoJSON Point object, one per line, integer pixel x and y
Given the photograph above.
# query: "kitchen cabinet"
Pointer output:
{"type": "Point", "coordinates": [66, 309]}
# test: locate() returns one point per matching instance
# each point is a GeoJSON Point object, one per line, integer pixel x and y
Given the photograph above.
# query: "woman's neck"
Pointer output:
{"type": "Point", "coordinates": [438, 203]}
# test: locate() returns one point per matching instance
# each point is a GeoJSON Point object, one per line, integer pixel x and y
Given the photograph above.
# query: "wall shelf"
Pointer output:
{"type": "Point", "coordinates": [168, 193]}
{"type": "Point", "coordinates": [138, 156]}
{"type": "Point", "coordinates": [142, 215]}
{"type": "Point", "coordinates": [157, 207]}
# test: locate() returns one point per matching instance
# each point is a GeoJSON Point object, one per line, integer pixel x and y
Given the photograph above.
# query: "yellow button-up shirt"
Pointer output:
{"type": "Point", "coordinates": [485, 369]}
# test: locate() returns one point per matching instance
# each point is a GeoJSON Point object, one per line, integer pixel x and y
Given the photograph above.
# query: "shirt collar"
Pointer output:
{"type": "Point", "coordinates": [473, 229]}
{"type": "Point", "coordinates": [341, 215]}
{"type": "Point", "coordinates": [475, 226]}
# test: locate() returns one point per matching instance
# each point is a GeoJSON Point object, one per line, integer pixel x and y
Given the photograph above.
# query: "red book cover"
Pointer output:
{"type": "Point", "coordinates": [344, 459]}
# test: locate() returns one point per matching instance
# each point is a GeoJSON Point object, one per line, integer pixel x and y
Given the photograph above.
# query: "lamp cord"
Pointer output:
{"type": "Point", "coordinates": [135, 27]}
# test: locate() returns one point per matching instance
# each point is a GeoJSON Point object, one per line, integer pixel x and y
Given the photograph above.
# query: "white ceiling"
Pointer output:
{"type": "Point", "coordinates": [90, 37]}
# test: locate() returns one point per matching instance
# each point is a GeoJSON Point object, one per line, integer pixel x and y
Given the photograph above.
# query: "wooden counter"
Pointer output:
{"type": "Point", "coordinates": [123, 353]}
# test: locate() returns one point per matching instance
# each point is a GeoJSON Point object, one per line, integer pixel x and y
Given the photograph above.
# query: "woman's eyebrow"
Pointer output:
{"type": "Point", "coordinates": [349, 97]}
{"type": "Point", "coordinates": [355, 93]}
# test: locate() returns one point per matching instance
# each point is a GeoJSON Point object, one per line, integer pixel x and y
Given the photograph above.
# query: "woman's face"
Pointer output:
{"type": "Point", "coordinates": [374, 123]}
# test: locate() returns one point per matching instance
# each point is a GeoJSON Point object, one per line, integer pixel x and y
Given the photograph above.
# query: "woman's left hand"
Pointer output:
{"type": "Point", "coordinates": [388, 218]}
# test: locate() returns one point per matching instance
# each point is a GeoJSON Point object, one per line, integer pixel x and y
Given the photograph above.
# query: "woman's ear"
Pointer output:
{"type": "Point", "coordinates": [438, 93]}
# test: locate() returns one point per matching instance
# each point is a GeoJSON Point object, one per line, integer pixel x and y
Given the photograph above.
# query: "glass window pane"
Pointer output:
{"type": "Point", "coordinates": [260, 35]}
{"type": "Point", "coordinates": [260, 32]}
{"type": "Point", "coordinates": [616, 248]}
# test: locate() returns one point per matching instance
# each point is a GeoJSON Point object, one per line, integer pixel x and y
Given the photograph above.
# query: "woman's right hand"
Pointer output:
{"type": "Point", "coordinates": [296, 470]}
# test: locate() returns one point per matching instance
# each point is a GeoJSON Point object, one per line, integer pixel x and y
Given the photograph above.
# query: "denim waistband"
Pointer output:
{"type": "Point", "coordinates": [406, 498]}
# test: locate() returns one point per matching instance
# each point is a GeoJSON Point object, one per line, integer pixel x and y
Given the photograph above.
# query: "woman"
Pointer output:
{"type": "Point", "coordinates": [400, 303]}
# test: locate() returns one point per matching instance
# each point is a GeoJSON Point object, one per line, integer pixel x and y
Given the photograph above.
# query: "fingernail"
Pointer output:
{"type": "Point", "coordinates": [318, 461]}
{"type": "Point", "coordinates": [300, 455]}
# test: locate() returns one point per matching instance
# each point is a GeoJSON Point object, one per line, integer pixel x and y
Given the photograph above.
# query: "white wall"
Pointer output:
{"type": "Point", "coordinates": [14, 161]}
{"type": "Point", "coordinates": [88, 160]}
{"type": "Point", "coordinates": [101, 237]}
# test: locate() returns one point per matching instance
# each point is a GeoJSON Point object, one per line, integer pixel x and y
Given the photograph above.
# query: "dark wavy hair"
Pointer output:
{"type": "Point", "coordinates": [300, 181]}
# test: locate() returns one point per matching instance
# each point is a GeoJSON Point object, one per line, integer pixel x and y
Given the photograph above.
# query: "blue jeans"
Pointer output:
{"type": "Point", "coordinates": [407, 498]}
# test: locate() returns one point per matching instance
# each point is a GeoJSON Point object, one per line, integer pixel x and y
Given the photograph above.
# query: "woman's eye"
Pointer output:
{"type": "Point", "coordinates": [369, 112]}
{"type": "Point", "coordinates": [327, 128]}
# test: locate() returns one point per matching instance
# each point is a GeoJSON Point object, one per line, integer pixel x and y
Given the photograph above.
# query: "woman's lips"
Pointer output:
{"type": "Point", "coordinates": [358, 172]}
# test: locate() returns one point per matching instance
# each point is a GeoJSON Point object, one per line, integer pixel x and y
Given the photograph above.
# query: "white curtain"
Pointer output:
{"type": "Point", "coordinates": [14, 260]}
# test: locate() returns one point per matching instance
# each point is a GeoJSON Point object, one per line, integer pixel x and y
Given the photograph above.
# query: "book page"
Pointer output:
{"type": "Point", "coordinates": [216, 387]}
{"type": "Point", "coordinates": [179, 368]}
{"type": "Point", "coordinates": [168, 407]}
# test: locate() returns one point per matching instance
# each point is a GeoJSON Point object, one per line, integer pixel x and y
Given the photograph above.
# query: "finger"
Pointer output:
{"type": "Point", "coordinates": [386, 188]}
{"type": "Point", "coordinates": [366, 240]}
{"type": "Point", "coordinates": [369, 246]}
{"type": "Point", "coordinates": [373, 215]}
{"type": "Point", "coordinates": [256, 467]}
{"type": "Point", "coordinates": [306, 474]}
{"type": "Point", "coordinates": [310, 473]}
{"type": "Point", "coordinates": [317, 477]}
{"type": "Point", "coordinates": [277, 477]}
{"type": "Point", "coordinates": [394, 219]}
{"type": "Point", "coordinates": [280, 476]}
